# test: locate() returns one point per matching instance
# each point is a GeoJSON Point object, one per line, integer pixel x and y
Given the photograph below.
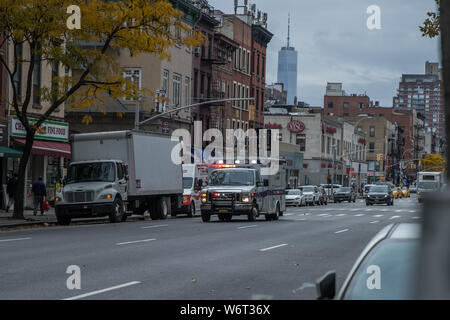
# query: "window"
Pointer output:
{"type": "Point", "coordinates": [330, 105]}
{"type": "Point", "coordinates": [119, 171]}
{"type": "Point", "coordinates": [372, 131]}
{"type": "Point", "coordinates": [37, 76]}
{"type": "Point", "coordinates": [133, 75]}
{"type": "Point", "coordinates": [195, 84]}
{"type": "Point", "coordinates": [301, 141]}
{"type": "Point", "coordinates": [372, 147]}
{"type": "Point", "coordinates": [55, 87]}
{"type": "Point", "coordinates": [263, 71]}
{"type": "Point", "coordinates": [176, 89]}
{"type": "Point", "coordinates": [360, 105]}
{"type": "Point", "coordinates": [248, 62]}
{"type": "Point", "coordinates": [257, 64]}
{"type": "Point", "coordinates": [202, 85]}
{"type": "Point", "coordinates": [165, 84]}
{"type": "Point", "coordinates": [187, 89]}
{"type": "Point", "coordinates": [346, 105]}
{"type": "Point", "coordinates": [323, 144]}
{"type": "Point", "coordinates": [18, 74]}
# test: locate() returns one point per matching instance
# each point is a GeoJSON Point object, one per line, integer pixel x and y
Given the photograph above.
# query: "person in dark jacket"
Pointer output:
{"type": "Point", "coordinates": [11, 191]}
{"type": "Point", "coordinates": [40, 193]}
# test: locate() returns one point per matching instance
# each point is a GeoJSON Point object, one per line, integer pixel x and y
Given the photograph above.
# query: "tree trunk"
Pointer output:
{"type": "Point", "coordinates": [445, 56]}
{"type": "Point", "coordinates": [20, 188]}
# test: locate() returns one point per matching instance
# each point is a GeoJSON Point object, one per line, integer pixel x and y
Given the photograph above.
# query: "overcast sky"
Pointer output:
{"type": "Point", "coordinates": [335, 45]}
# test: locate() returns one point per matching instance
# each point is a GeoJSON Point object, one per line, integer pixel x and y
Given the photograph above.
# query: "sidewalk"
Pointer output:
{"type": "Point", "coordinates": [6, 219]}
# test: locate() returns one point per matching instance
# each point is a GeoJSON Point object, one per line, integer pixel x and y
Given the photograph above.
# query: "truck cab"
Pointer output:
{"type": "Point", "coordinates": [242, 190]}
{"type": "Point", "coordinates": [93, 188]}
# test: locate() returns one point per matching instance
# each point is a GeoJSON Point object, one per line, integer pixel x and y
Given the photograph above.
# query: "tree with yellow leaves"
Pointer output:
{"type": "Point", "coordinates": [54, 31]}
{"type": "Point", "coordinates": [433, 163]}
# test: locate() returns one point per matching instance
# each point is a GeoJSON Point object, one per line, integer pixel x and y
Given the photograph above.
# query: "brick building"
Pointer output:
{"type": "Point", "coordinates": [422, 92]}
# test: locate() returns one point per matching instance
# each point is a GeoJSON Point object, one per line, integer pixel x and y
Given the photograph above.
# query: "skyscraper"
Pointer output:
{"type": "Point", "coordinates": [287, 69]}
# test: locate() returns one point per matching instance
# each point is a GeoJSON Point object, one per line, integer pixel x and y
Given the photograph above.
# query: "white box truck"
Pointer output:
{"type": "Point", "coordinates": [428, 182]}
{"type": "Point", "coordinates": [117, 174]}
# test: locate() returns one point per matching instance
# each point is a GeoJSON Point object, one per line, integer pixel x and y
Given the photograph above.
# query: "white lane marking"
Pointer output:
{"type": "Point", "coordinates": [17, 239]}
{"type": "Point", "coordinates": [354, 209]}
{"type": "Point", "coordinates": [323, 215]}
{"type": "Point", "coordinates": [341, 215]}
{"type": "Point", "coordinates": [340, 231]}
{"type": "Point", "coordinates": [416, 218]}
{"type": "Point", "coordinates": [394, 217]}
{"type": "Point", "coordinates": [103, 290]}
{"type": "Point", "coordinates": [368, 210]}
{"type": "Point", "coordinates": [376, 221]}
{"type": "Point", "coordinates": [274, 247]}
{"type": "Point", "coordinates": [384, 210]}
{"type": "Point", "coordinates": [288, 214]}
{"type": "Point", "coordinates": [412, 211]}
{"type": "Point", "coordinates": [156, 226]}
{"type": "Point", "coordinates": [244, 227]}
{"type": "Point", "coordinates": [398, 210]}
{"type": "Point", "coordinates": [137, 241]}
{"type": "Point", "coordinates": [299, 219]}
{"type": "Point", "coordinates": [378, 215]}
{"type": "Point", "coordinates": [359, 215]}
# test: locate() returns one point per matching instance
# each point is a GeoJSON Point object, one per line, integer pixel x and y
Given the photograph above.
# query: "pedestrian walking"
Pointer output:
{"type": "Point", "coordinates": [40, 194]}
{"type": "Point", "coordinates": [11, 191]}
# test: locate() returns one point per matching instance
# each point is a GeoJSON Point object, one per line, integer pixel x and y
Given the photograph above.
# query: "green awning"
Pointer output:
{"type": "Point", "coordinates": [6, 152]}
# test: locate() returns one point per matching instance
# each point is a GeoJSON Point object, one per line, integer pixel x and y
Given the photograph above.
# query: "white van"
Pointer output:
{"type": "Point", "coordinates": [194, 175]}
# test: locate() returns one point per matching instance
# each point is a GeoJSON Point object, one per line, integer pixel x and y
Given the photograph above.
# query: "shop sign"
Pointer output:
{"type": "Point", "coordinates": [296, 126]}
{"type": "Point", "coordinates": [49, 130]}
{"type": "Point", "coordinates": [273, 126]}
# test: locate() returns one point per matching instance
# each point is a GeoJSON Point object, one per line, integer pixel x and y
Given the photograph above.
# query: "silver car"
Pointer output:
{"type": "Point", "coordinates": [385, 270]}
{"type": "Point", "coordinates": [295, 197]}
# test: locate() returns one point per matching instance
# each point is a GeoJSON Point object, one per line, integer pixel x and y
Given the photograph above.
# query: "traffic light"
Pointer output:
{"type": "Point", "coordinates": [379, 157]}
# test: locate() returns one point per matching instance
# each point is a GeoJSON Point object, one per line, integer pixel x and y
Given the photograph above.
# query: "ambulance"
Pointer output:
{"type": "Point", "coordinates": [194, 177]}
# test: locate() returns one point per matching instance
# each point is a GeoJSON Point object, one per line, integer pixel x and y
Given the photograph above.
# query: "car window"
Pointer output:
{"type": "Point", "coordinates": [394, 263]}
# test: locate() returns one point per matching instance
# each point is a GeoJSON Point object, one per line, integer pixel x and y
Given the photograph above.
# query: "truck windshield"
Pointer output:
{"type": "Point", "coordinates": [94, 171]}
{"type": "Point", "coordinates": [427, 185]}
{"type": "Point", "coordinates": [187, 183]}
{"type": "Point", "coordinates": [232, 178]}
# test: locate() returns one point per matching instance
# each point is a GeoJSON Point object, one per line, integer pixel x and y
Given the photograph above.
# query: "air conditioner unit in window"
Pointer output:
{"type": "Point", "coordinates": [197, 51]}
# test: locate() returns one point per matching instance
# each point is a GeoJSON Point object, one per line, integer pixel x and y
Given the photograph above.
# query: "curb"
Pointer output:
{"type": "Point", "coordinates": [26, 223]}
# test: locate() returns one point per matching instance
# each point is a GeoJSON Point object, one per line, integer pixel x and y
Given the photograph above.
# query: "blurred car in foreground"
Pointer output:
{"type": "Point", "coordinates": [295, 197]}
{"type": "Point", "coordinates": [380, 194]}
{"type": "Point", "coordinates": [385, 270]}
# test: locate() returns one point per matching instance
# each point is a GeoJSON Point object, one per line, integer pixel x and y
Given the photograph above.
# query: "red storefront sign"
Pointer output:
{"type": "Point", "coordinates": [296, 126]}
{"type": "Point", "coordinates": [273, 126]}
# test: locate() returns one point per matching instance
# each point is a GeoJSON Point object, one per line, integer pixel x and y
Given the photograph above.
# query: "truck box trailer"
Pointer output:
{"type": "Point", "coordinates": [119, 173]}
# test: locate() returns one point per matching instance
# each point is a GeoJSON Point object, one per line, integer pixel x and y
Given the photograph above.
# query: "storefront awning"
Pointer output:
{"type": "Point", "coordinates": [6, 152]}
{"type": "Point", "coordinates": [49, 148]}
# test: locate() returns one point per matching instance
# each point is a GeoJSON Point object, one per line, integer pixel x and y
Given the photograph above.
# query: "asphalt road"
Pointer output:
{"type": "Point", "coordinates": [184, 258]}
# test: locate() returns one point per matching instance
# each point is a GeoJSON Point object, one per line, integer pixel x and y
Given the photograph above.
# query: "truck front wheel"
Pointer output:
{"type": "Point", "coordinates": [118, 212]}
{"type": "Point", "coordinates": [253, 213]}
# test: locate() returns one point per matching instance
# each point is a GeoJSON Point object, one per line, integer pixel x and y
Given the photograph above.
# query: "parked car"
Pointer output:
{"type": "Point", "coordinates": [389, 261]}
{"type": "Point", "coordinates": [397, 193]}
{"type": "Point", "coordinates": [295, 197]}
{"type": "Point", "coordinates": [312, 195]}
{"type": "Point", "coordinates": [380, 194]}
{"type": "Point", "coordinates": [406, 193]}
{"type": "Point", "coordinates": [413, 189]}
{"type": "Point", "coordinates": [330, 189]}
{"type": "Point", "coordinates": [323, 196]}
{"type": "Point", "coordinates": [345, 194]}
